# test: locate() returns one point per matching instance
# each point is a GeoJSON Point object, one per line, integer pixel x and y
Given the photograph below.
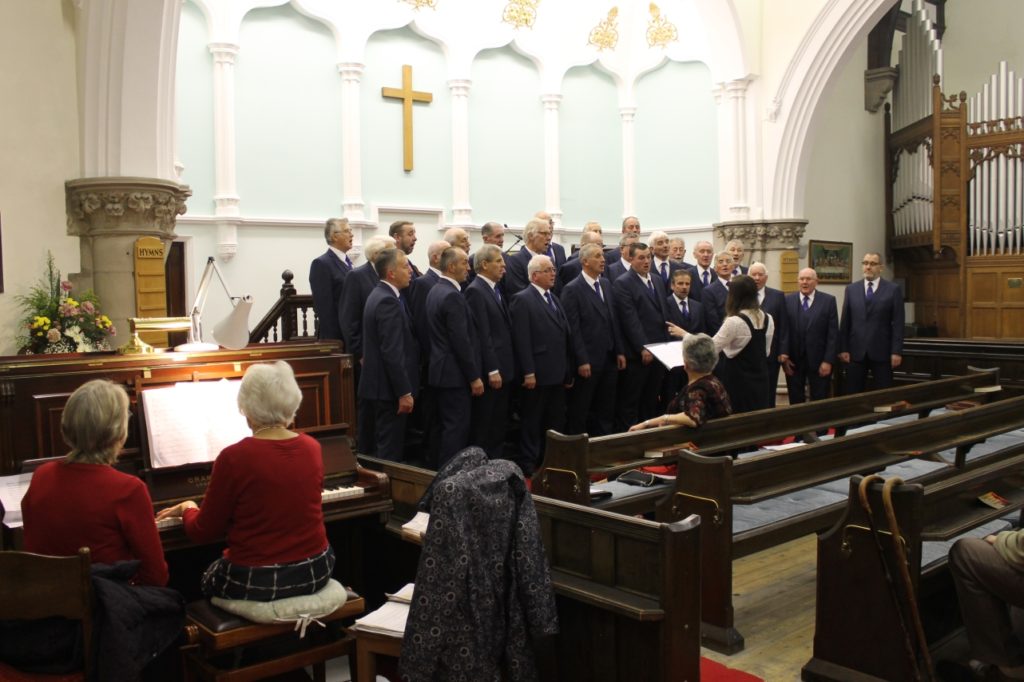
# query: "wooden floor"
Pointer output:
{"type": "Point", "coordinates": [774, 593]}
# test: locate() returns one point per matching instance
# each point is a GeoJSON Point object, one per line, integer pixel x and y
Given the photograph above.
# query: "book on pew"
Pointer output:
{"type": "Point", "coordinates": [958, 405]}
{"type": "Point", "coordinates": [994, 500]}
{"type": "Point", "coordinates": [416, 528]}
{"type": "Point", "coordinates": [659, 453]}
{"type": "Point", "coordinates": [12, 490]}
{"type": "Point", "coordinates": [988, 389]}
{"type": "Point", "coordinates": [897, 406]}
{"type": "Point", "coordinates": [389, 619]}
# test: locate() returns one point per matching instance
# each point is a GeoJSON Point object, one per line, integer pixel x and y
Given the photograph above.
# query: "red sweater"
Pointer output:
{"type": "Point", "coordinates": [71, 505]}
{"type": "Point", "coordinates": [264, 495]}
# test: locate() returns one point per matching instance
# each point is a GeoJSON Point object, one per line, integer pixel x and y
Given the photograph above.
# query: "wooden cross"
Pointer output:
{"type": "Point", "coordinates": [408, 96]}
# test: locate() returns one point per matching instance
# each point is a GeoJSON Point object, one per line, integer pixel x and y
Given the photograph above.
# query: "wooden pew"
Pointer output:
{"type": "Point", "coordinates": [857, 632]}
{"type": "Point", "coordinates": [713, 486]}
{"type": "Point", "coordinates": [925, 359]}
{"type": "Point", "coordinates": [570, 460]}
{"type": "Point", "coordinates": [628, 590]}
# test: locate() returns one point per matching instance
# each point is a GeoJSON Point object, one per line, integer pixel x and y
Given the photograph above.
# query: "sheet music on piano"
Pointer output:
{"type": "Point", "coordinates": [192, 422]}
{"type": "Point", "coordinates": [12, 490]}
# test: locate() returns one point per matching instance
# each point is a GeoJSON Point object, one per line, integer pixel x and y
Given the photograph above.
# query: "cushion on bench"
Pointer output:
{"type": "Point", "coordinates": [316, 605]}
{"type": "Point", "coordinates": [748, 516]}
{"type": "Point", "coordinates": [934, 553]}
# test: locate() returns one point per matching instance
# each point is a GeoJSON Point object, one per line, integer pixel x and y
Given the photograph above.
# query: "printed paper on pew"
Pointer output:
{"type": "Point", "coordinates": [416, 528]}
{"type": "Point", "coordinates": [404, 595]}
{"type": "Point", "coordinates": [669, 353]}
{"type": "Point", "coordinates": [389, 619]}
{"type": "Point", "coordinates": [12, 490]}
{"type": "Point", "coordinates": [994, 500]}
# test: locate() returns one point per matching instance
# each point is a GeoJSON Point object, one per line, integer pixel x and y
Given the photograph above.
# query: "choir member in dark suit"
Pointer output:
{"type": "Point", "coordinates": [358, 285]}
{"type": "Point", "coordinates": [661, 264]}
{"type": "Point", "coordinates": [404, 234]}
{"type": "Point", "coordinates": [459, 238]}
{"type": "Point", "coordinates": [630, 228]}
{"type": "Point", "coordinates": [715, 294]}
{"type": "Point", "coordinates": [555, 251]}
{"type": "Point", "coordinates": [871, 328]}
{"type": "Point", "coordinates": [640, 306]}
{"type": "Point", "coordinates": [686, 313]}
{"type": "Point", "coordinates": [491, 233]}
{"type": "Point", "coordinates": [327, 275]}
{"type": "Point", "coordinates": [677, 250]}
{"type": "Point", "coordinates": [616, 261]}
{"type": "Point", "coordinates": [597, 343]}
{"type": "Point", "coordinates": [808, 350]}
{"type": "Point", "coordinates": [772, 302]}
{"type": "Point", "coordinates": [454, 371]}
{"type": "Point", "coordinates": [704, 272]}
{"type": "Point", "coordinates": [497, 355]}
{"type": "Point", "coordinates": [541, 335]}
{"type": "Point", "coordinates": [391, 371]}
{"type": "Point", "coordinates": [537, 238]}
{"type": "Point", "coordinates": [735, 247]}
{"type": "Point", "coordinates": [572, 267]}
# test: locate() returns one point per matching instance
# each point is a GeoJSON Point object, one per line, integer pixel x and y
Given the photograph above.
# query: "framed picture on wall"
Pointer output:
{"type": "Point", "coordinates": [833, 261]}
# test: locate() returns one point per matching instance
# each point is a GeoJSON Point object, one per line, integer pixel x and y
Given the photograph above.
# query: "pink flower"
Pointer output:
{"type": "Point", "coordinates": [112, 331]}
{"type": "Point", "coordinates": [88, 307]}
{"type": "Point", "coordinates": [65, 285]}
{"type": "Point", "coordinates": [53, 336]}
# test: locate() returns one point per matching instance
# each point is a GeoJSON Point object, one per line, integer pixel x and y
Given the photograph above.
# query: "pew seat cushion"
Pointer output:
{"type": "Point", "coordinates": [750, 516]}
{"type": "Point", "coordinates": [933, 554]}
{"type": "Point", "coordinates": [315, 605]}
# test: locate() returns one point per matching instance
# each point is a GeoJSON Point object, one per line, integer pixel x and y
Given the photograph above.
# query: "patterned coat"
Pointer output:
{"type": "Point", "coordinates": [483, 590]}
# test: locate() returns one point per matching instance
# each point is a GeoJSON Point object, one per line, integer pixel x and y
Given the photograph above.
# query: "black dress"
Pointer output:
{"type": "Point", "coordinates": [746, 376]}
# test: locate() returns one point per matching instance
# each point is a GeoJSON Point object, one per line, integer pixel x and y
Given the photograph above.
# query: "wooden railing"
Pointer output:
{"type": "Point", "coordinates": [291, 318]}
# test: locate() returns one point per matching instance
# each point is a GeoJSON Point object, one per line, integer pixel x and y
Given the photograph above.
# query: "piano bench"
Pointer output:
{"type": "Point", "coordinates": [225, 647]}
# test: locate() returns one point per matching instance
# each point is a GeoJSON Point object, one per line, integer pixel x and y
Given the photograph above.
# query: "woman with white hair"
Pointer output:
{"type": "Point", "coordinates": [264, 497]}
{"type": "Point", "coordinates": [704, 397]}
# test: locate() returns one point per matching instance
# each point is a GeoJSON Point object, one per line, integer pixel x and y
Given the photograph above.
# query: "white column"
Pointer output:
{"type": "Point", "coordinates": [225, 195]}
{"type": "Point", "coordinates": [462, 212]}
{"type": "Point", "coordinates": [351, 163]}
{"type": "Point", "coordinates": [628, 115]}
{"type": "Point", "coordinates": [736, 92]}
{"type": "Point", "coordinates": [552, 189]}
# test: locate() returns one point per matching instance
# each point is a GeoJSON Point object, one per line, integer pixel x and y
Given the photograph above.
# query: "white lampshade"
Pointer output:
{"type": "Point", "coordinates": [233, 331]}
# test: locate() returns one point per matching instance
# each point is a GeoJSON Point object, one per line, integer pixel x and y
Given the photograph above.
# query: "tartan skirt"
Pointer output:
{"type": "Point", "coordinates": [268, 583]}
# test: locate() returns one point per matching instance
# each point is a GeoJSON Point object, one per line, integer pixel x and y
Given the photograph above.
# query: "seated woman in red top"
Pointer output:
{"type": "Point", "coordinates": [83, 501]}
{"type": "Point", "coordinates": [264, 497]}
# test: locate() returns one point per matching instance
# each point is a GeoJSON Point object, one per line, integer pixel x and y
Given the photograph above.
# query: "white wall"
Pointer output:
{"type": "Point", "coordinates": [39, 138]}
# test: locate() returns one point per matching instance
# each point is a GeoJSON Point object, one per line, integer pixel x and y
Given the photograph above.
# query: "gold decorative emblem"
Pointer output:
{"type": "Point", "coordinates": [660, 31]}
{"type": "Point", "coordinates": [419, 4]}
{"type": "Point", "coordinates": [605, 36]}
{"type": "Point", "coordinates": [520, 13]}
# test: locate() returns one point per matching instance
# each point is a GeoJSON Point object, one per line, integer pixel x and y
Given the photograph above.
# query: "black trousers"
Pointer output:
{"type": "Point", "coordinates": [805, 376]}
{"type": "Point", "coordinates": [857, 374]}
{"type": "Point", "coordinates": [490, 419]}
{"type": "Point", "coordinates": [639, 388]}
{"type": "Point", "coordinates": [591, 402]}
{"type": "Point", "coordinates": [389, 427]}
{"type": "Point", "coordinates": [540, 409]}
{"type": "Point", "coordinates": [454, 407]}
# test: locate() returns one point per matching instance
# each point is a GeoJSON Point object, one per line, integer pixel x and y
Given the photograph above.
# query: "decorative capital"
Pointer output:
{"type": "Point", "coordinates": [223, 53]}
{"type": "Point", "coordinates": [737, 89]}
{"type": "Point", "coordinates": [351, 71]}
{"type": "Point", "coordinates": [877, 84]}
{"type": "Point", "coordinates": [551, 100]}
{"type": "Point", "coordinates": [627, 113]}
{"type": "Point", "coordinates": [121, 206]}
{"type": "Point", "coordinates": [459, 87]}
{"type": "Point", "coordinates": [762, 235]}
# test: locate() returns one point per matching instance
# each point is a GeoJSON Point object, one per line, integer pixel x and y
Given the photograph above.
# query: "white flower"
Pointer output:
{"type": "Point", "coordinates": [75, 334]}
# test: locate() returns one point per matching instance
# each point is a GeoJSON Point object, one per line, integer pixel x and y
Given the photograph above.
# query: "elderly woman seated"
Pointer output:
{"type": "Point", "coordinates": [703, 397]}
{"type": "Point", "coordinates": [264, 497]}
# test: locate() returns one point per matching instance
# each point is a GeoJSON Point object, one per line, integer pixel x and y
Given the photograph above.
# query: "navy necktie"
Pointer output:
{"type": "Point", "coordinates": [551, 301]}
{"type": "Point", "coordinates": [650, 289]}
{"type": "Point", "coordinates": [684, 309]}
{"type": "Point", "coordinates": [348, 260]}
{"type": "Point", "coordinates": [705, 278]}
{"type": "Point", "coordinates": [807, 303]}
{"type": "Point", "coordinates": [871, 291]}
{"type": "Point", "coordinates": [597, 290]}
{"type": "Point", "coordinates": [664, 273]}
{"type": "Point", "coordinates": [497, 295]}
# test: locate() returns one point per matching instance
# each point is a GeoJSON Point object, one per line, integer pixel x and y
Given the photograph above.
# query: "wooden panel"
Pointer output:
{"type": "Point", "coordinates": [1012, 323]}
{"type": "Point", "coordinates": [982, 287]}
{"type": "Point", "coordinates": [947, 288]}
{"type": "Point", "coordinates": [983, 323]}
{"type": "Point", "coordinates": [49, 408]}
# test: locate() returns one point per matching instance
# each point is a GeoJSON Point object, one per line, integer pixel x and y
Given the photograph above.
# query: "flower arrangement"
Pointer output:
{"type": "Point", "coordinates": [57, 322]}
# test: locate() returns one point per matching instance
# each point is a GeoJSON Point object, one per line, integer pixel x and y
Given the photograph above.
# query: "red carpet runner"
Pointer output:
{"type": "Point", "coordinates": [710, 671]}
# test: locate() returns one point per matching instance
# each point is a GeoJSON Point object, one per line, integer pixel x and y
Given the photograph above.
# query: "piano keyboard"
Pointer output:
{"type": "Point", "coordinates": [328, 495]}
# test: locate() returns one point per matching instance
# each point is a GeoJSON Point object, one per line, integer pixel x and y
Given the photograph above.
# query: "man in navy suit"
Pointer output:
{"type": "Point", "coordinates": [536, 238]}
{"type": "Point", "coordinates": [772, 302]}
{"type": "Point", "coordinates": [497, 355]}
{"type": "Point", "coordinates": [630, 226]}
{"type": "Point", "coordinates": [404, 234]}
{"type": "Point", "coordinates": [390, 377]}
{"type": "Point", "coordinates": [572, 267]}
{"type": "Point", "coordinates": [871, 328]}
{"type": "Point", "coordinates": [714, 295]}
{"type": "Point", "coordinates": [704, 272]}
{"type": "Point", "coordinates": [454, 354]}
{"type": "Point", "coordinates": [597, 344]}
{"type": "Point", "coordinates": [459, 238]}
{"type": "Point", "coordinates": [640, 306]}
{"type": "Point", "coordinates": [661, 264]}
{"type": "Point", "coordinates": [327, 275]}
{"type": "Point", "coordinates": [808, 350]}
{"type": "Point", "coordinates": [358, 286]}
{"type": "Point", "coordinates": [491, 233]}
{"type": "Point", "coordinates": [616, 261]}
{"type": "Point", "coordinates": [735, 247]}
{"type": "Point", "coordinates": [556, 252]}
{"type": "Point", "coordinates": [682, 311]}
{"type": "Point", "coordinates": [541, 335]}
